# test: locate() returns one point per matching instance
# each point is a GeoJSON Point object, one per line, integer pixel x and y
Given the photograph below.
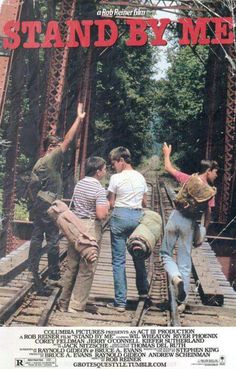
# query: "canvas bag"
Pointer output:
{"type": "Point", "coordinates": [74, 230]}
{"type": "Point", "coordinates": [193, 197]}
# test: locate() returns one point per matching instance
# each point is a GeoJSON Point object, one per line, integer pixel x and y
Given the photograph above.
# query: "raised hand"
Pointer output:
{"type": "Point", "coordinates": [80, 112]}
{"type": "Point", "coordinates": [166, 149]}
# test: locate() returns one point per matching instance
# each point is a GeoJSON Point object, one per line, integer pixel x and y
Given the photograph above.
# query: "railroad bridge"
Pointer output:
{"type": "Point", "coordinates": [212, 298]}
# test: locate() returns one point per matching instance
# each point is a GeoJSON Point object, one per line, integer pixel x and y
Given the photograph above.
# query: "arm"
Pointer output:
{"type": "Point", "coordinates": [111, 199]}
{"type": "Point", "coordinates": [73, 129]}
{"type": "Point", "coordinates": [167, 162]}
{"type": "Point", "coordinates": [207, 217]}
{"type": "Point", "coordinates": [144, 200]}
{"type": "Point", "coordinates": [101, 211]}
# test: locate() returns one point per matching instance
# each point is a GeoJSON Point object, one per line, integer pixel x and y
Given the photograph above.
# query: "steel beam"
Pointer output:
{"type": "Point", "coordinates": [57, 75]}
{"type": "Point", "coordinates": [162, 4]}
{"type": "Point", "coordinates": [9, 10]}
{"type": "Point", "coordinates": [230, 148]}
{"type": "Point", "coordinates": [85, 98]}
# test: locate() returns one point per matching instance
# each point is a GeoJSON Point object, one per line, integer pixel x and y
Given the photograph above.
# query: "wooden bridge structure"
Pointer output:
{"type": "Point", "coordinates": [55, 103]}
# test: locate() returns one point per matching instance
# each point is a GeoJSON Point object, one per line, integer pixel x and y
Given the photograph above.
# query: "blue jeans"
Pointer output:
{"type": "Point", "coordinates": [179, 229]}
{"type": "Point", "coordinates": [122, 224]}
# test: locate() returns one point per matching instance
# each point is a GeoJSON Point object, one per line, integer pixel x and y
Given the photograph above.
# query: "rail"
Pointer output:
{"type": "Point", "coordinates": [21, 305]}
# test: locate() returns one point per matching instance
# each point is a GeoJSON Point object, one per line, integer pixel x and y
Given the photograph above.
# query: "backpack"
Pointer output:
{"type": "Point", "coordinates": [193, 197]}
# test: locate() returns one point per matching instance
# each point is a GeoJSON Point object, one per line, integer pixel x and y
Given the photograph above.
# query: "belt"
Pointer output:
{"type": "Point", "coordinates": [87, 218]}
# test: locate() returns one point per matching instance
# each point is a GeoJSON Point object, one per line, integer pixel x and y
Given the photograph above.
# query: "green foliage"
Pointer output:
{"type": "Point", "coordinates": [179, 104]}
{"type": "Point", "coordinates": [0, 205]}
{"type": "Point", "coordinates": [21, 210]}
{"type": "Point", "coordinates": [4, 144]}
{"type": "Point", "coordinates": [124, 100]}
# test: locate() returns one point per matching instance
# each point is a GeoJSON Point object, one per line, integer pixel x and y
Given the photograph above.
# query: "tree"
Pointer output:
{"type": "Point", "coordinates": [124, 100]}
{"type": "Point", "coordinates": [179, 104]}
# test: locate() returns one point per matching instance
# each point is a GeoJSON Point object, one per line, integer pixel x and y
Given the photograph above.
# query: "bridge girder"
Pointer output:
{"type": "Point", "coordinates": [167, 5]}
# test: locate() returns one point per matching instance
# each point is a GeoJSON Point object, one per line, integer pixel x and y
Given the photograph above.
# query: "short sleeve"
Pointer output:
{"type": "Point", "coordinates": [145, 186]}
{"type": "Point", "coordinates": [112, 185]}
{"type": "Point", "coordinates": [101, 198]}
{"type": "Point", "coordinates": [181, 177]}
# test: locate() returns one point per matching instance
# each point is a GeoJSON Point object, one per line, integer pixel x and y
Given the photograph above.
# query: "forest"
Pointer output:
{"type": "Point", "coordinates": [128, 104]}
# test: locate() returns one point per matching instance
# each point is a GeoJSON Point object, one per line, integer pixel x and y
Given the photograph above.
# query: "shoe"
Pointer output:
{"type": "Point", "coordinates": [70, 310]}
{"type": "Point", "coordinates": [54, 283]}
{"type": "Point", "coordinates": [61, 307]}
{"type": "Point", "coordinates": [35, 278]}
{"type": "Point", "coordinates": [40, 286]}
{"type": "Point", "coordinates": [45, 291]}
{"type": "Point", "coordinates": [93, 309]}
{"type": "Point", "coordinates": [119, 308]}
{"type": "Point", "coordinates": [181, 308]}
{"type": "Point", "coordinates": [179, 289]}
{"type": "Point", "coordinates": [143, 296]}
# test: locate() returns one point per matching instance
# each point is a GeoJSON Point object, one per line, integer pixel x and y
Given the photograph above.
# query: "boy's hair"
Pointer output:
{"type": "Point", "coordinates": [120, 152]}
{"type": "Point", "coordinates": [93, 164]}
{"type": "Point", "coordinates": [51, 140]}
{"type": "Point", "coordinates": [208, 164]}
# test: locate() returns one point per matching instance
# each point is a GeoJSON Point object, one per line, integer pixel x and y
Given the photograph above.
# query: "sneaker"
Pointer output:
{"type": "Point", "coordinates": [40, 286]}
{"type": "Point", "coordinates": [71, 310]}
{"type": "Point", "coordinates": [45, 291]}
{"type": "Point", "coordinates": [181, 308]}
{"type": "Point", "coordinates": [54, 283]}
{"type": "Point", "coordinates": [119, 308]}
{"type": "Point", "coordinates": [93, 309]}
{"type": "Point", "coordinates": [35, 278]}
{"type": "Point", "coordinates": [179, 288]}
{"type": "Point", "coordinates": [143, 296]}
{"type": "Point", "coordinates": [61, 307]}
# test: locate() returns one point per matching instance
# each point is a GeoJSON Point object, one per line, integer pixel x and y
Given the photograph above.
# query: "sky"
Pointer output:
{"type": "Point", "coordinates": [162, 65]}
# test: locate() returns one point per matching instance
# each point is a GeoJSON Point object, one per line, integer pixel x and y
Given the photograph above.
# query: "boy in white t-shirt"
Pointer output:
{"type": "Point", "coordinates": [127, 193]}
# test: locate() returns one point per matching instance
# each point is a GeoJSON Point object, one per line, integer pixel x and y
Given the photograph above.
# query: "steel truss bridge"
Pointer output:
{"type": "Point", "coordinates": [12, 10]}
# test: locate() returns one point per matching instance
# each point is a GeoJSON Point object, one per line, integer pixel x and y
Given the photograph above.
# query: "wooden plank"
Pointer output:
{"type": "Point", "coordinates": [209, 288]}
{"type": "Point", "coordinates": [30, 319]}
{"type": "Point", "coordinates": [74, 318]}
{"type": "Point", "coordinates": [7, 291]}
{"type": "Point", "coordinates": [85, 323]}
{"type": "Point", "coordinates": [49, 307]}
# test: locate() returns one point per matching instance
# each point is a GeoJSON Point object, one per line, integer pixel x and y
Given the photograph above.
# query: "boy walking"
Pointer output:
{"type": "Point", "coordinates": [90, 206]}
{"type": "Point", "coordinates": [181, 224]}
{"type": "Point", "coordinates": [127, 193]}
{"type": "Point", "coordinates": [44, 188]}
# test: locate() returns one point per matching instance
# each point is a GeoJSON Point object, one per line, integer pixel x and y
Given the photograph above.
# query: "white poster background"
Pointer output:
{"type": "Point", "coordinates": [148, 347]}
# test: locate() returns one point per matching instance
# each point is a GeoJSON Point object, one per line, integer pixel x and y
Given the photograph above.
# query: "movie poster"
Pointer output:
{"type": "Point", "coordinates": [137, 74]}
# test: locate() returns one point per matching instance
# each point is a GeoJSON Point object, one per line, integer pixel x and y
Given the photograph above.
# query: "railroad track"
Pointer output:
{"type": "Point", "coordinates": [21, 305]}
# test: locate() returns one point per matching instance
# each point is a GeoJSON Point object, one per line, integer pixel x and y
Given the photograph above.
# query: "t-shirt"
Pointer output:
{"type": "Point", "coordinates": [129, 187]}
{"type": "Point", "coordinates": [183, 177]}
{"type": "Point", "coordinates": [87, 194]}
{"type": "Point", "coordinates": [48, 169]}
